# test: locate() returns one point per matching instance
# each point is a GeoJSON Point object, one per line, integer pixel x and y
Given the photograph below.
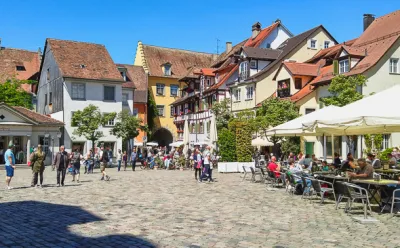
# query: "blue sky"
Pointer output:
{"type": "Point", "coordinates": [192, 25]}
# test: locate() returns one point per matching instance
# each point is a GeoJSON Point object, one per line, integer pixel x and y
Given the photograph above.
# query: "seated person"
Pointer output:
{"type": "Point", "coordinates": [295, 168]}
{"type": "Point", "coordinates": [166, 162]}
{"type": "Point", "coordinates": [325, 166]}
{"type": "Point", "coordinates": [307, 162]}
{"type": "Point", "coordinates": [336, 161]}
{"type": "Point", "coordinates": [392, 160]}
{"type": "Point", "coordinates": [274, 167]}
{"type": "Point", "coordinates": [366, 170]}
{"type": "Point", "coordinates": [349, 163]}
{"type": "Point", "coordinates": [376, 163]}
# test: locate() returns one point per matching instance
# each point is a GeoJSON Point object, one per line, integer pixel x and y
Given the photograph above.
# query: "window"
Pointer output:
{"type": "Point", "coordinates": [208, 82]}
{"type": "Point", "coordinates": [45, 144]}
{"type": "Point", "coordinates": [160, 109]}
{"type": "Point", "coordinates": [297, 83]}
{"type": "Point", "coordinates": [109, 93]}
{"type": "Point", "coordinates": [208, 126]}
{"type": "Point", "coordinates": [78, 91]}
{"type": "Point", "coordinates": [309, 110]}
{"type": "Point", "coordinates": [51, 97]}
{"type": "Point", "coordinates": [343, 66]}
{"type": "Point", "coordinates": [192, 128]}
{"type": "Point", "coordinates": [313, 44]}
{"type": "Point", "coordinates": [48, 75]}
{"type": "Point", "coordinates": [174, 90]}
{"type": "Point", "coordinates": [284, 88]}
{"type": "Point", "coordinates": [123, 74]}
{"type": "Point", "coordinates": [244, 70]}
{"type": "Point", "coordinates": [167, 70]}
{"type": "Point", "coordinates": [394, 65]}
{"type": "Point", "coordinates": [237, 95]}
{"type": "Point", "coordinates": [125, 97]}
{"type": "Point", "coordinates": [20, 68]}
{"type": "Point", "coordinates": [326, 44]}
{"type": "Point", "coordinates": [160, 89]}
{"type": "Point", "coordinates": [201, 127]}
{"type": "Point", "coordinates": [385, 141]}
{"type": "Point", "coordinates": [45, 99]}
{"type": "Point", "coordinates": [253, 64]}
{"type": "Point", "coordinates": [135, 112]}
{"type": "Point", "coordinates": [172, 111]}
{"type": "Point", "coordinates": [249, 92]}
{"type": "Point", "coordinates": [110, 122]}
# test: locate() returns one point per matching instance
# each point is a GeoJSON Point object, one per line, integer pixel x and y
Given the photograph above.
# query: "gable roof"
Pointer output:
{"type": "Point", "coordinates": [256, 41]}
{"type": "Point", "coordinates": [225, 55]}
{"type": "Point", "coordinates": [303, 92]}
{"type": "Point", "coordinates": [302, 68]}
{"type": "Point", "coordinates": [289, 45]}
{"type": "Point", "coordinates": [11, 58]}
{"type": "Point", "coordinates": [333, 50]}
{"type": "Point", "coordinates": [32, 116]}
{"type": "Point", "coordinates": [136, 78]}
{"type": "Point", "coordinates": [83, 60]}
{"type": "Point", "coordinates": [261, 53]}
{"type": "Point", "coordinates": [180, 60]}
{"type": "Point", "coordinates": [223, 79]}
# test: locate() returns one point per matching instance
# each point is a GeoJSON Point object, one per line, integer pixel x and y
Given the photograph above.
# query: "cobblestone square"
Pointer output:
{"type": "Point", "coordinates": [171, 209]}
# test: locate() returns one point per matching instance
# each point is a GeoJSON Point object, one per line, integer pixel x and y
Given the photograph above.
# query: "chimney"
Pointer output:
{"type": "Point", "coordinates": [228, 46]}
{"type": "Point", "coordinates": [368, 19]}
{"type": "Point", "coordinates": [255, 29]}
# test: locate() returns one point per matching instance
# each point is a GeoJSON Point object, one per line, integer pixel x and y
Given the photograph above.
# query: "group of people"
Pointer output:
{"type": "Point", "coordinates": [202, 164]}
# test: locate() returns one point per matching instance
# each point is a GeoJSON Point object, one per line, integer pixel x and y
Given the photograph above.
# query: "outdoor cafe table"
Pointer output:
{"type": "Point", "coordinates": [333, 177]}
{"type": "Point", "coordinates": [381, 185]}
{"type": "Point", "coordinates": [323, 173]}
{"type": "Point", "coordinates": [389, 171]}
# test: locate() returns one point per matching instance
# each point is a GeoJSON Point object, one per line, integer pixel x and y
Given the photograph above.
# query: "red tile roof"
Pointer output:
{"type": "Point", "coordinates": [42, 119]}
{"type": "Point", "coordinates": [11, 58]}
{"type": "Point", "coordinates": [333, 50]}
{"type": "Point", "coordinates": [354, 51]}
{"type": "Point", "coordinates": [208, 72]}
{"type": "Point", "coordinates": [83, 60]}
{"type": "Point", "coordinates": [261, 36]}
{"type": "Point", "coordinates": [223, 79]}
{"type": "Point", "coordinates": [325, 74]}
{"type": "Point", "coordinates": [136, 78]}
{"type": "Point", "coordinates": [302, 68]}
{"type": "Point", "coordinates": [305, 91]}
{"type": "Point", "coordinates": [180, 60]}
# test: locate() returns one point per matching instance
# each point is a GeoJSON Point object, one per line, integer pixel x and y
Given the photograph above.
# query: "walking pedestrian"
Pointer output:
{"type": "Point", "coordinates": [119, 159]}
{"type": "Point", "coordinates": [206, 169]}
{"type": "Point", "coordinates": [61, 161]}
{"type": "Point", "coordinates": [88, 161]}
{"type": "Point", "coordinates": [9, 160]}
{"type": "Point", "coordinates": [37, 160]}
{"type": "Point", "coordinates": [133, 159]}
{"type": "Point", "coordinates": [76, 158]}
{"type": "Point", "coordinates": [103, 163]}
{"type": "Point", "coordinates": [198, 163]}
{"type": "Point", "coordinates": [125, 160]}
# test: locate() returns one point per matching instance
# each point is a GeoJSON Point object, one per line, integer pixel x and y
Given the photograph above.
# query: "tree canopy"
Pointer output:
{"type": "Point", "coordinates": [222, 111]}
{"type": "Point", "coordinates": [344, 90]}
{"type": "Point", "coordinates": [87, 122]}
{"type": "Point", "coordinates": [13, 95]}
{"type": "Point", "coordinates": [128, 126]}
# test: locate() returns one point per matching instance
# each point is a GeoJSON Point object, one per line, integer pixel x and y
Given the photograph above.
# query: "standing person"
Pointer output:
{"type": "Point", "coordinates": [103, 163]}
{"type": "Point", "coordinates": [76, 165]}
{"type": "Point", "coordinates": [133, 159]}
{"type": "Point", "coordinates": [61, 163]}
{"type": "Point", "coordinates": [256, 157]}
{"type": "Point", "coordinates": [110, 156]}
{"type": "Point", "coordinates": [88, 161]}
{"type": "Point", "coordinates": [206, 169]}
{"type": "Point", "coordinates": [37, 160]}
{"type": "Point", "coordinates": [125, 159]}
{"type": "Point", "coordinates": [119, 158]}
{"type": "Point", "coordinates": [197, 164]}
{"type": "Point", "coordinates": [9, 160]}
{"type": "Point", "coordinates": [336, 162]}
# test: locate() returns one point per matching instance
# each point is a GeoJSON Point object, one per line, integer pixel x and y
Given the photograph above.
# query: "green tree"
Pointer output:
{"type": "Point", "coordinates": [223, 114]}
{"type": "Point", "coordinates": [227, 145]}
{"type": "Point", "coordinates": [13, 95]}
{"type": "Point", "coordinates": [290, 144]}
{"type": "Point", "coordinates": [344, 90]}
{"type": "Point", "coordinates": [152, 113]}
{"type": "Point", "coordinates": [88, 120]}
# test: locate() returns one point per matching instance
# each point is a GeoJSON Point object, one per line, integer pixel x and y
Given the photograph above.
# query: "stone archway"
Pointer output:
{"type": "Point", "coordinates": [163, 137]}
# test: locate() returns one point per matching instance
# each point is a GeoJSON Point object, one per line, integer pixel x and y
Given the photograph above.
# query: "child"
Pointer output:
{"type": "Point", "coordinates": [325, 166]}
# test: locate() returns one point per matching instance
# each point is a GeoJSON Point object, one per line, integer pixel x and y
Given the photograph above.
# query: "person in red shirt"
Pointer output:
{"type": "Point", "coordinates": [273, 166]}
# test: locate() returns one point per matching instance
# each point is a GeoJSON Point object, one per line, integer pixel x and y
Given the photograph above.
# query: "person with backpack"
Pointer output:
{"type": "Point", "coordinates": [104, 158]}
{"type": "Point", "coordinates": [207, 165]}
{"type": "Point", "coordinates": [76, 165]}
{"type": "Point", "coordinates": [198, 164]}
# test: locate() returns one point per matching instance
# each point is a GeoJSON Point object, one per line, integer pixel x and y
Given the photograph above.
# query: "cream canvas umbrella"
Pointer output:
{"type": "Point", "coordinates": [261, 142]}
{"type": "Point", "coordinates": [213, 131]}
{"type": "Point", "coordinates": [186, 137]}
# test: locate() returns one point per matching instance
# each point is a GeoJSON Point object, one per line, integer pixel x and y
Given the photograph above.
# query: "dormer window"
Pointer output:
{"type": "Point", "coordinates": [20, 68]}
{"type": "Point", "coordinates": [167, 69]}
{"type": "Point", "coordinates": [244, 70]}
{"type": "Point", "coordinates": [344, 66]}
{"type": "Point", "coordinates": [123, 74]}
{"type": "Point", "coordinates": [313, 44]}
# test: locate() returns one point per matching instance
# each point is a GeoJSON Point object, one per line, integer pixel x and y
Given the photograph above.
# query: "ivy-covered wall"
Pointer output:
{"type": "Point", "coordinates": [227, 145]}
{"type": "Point", "coordinates": [244, 150]}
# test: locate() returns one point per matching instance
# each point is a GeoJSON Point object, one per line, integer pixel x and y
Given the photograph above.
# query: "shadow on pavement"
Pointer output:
{"type": "Point", "coordinates": [33, 223]}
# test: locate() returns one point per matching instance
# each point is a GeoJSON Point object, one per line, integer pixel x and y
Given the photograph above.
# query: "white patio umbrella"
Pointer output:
{"type": "Point", "coordinates": [186, 137]}
{"type": "Point", "coordinates": [152, 143]}
{"type": "Point", "coordinates": [176, 144]}
{"type": "Point", "coordinates": [371, 115]}
{"type": "Point", "coordinates": [295, 126]}
{"type": "Point", "coordinates": [261, 142]}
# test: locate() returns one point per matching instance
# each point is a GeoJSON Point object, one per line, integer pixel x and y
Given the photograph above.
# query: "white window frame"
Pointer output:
{"type": "Point", "coordinates": [385, 141]}
{"type": "Point", "coordinates": [237, 94]}
{"type": "Point", "coordinates": [249, 92]}
{"type": "Point", "coordinates": [163, 110]}
{"type": "Point", "coordinates": [208, 82]}
{"type": "Point", "coordinates": [326, 44]}
{"type": "Point", "coordinates": [125, 101]}
{"type": "Point", "coordinates": [162, 88]}
{"type": "Point", "coordinates": [110, 123]}
{"type": "Point", "coordinates": [79, 87]}
{"type": "Point", "coordinates": [253, 64]}
{"type": "Point", "coordinates": [167, 70]}
{"type": "Point", "coordinates": [170, 90]}
{"type": "Point", "coordinates": [244, 70]}
{"type": "Point", "coordinates": [311, 44]}
{"type": "Point", "coordinates": [104, 93]}
{"type": "Point", "coordinates": [394, 66]}
{"type": "Point", "coordinates": [343, 68]}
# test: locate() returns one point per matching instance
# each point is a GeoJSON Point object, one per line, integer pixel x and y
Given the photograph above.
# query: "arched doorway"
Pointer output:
{"type": "Point", "coordinates": [163, 137]}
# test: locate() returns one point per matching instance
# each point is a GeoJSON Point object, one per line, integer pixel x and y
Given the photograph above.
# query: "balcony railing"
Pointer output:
{"type": "Point", "coordinates": [283, 93]}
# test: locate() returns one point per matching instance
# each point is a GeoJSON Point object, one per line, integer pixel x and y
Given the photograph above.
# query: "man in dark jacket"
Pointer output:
{"type": "Point", "coordinates": [61, 161]}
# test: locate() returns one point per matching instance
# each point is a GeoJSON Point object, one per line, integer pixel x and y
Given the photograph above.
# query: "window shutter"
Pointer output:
{"type": "Point", "coordinates": [335, 67]}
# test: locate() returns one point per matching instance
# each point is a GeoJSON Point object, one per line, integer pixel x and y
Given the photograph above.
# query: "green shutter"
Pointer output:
{"type": "Point", "coordinates": [335, 67]}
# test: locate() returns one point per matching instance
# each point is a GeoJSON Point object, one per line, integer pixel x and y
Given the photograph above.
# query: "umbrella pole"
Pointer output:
{"type": "Point", "coordinates": [333, 147]}
{"type": "Point", "coordinates": [324, 137]}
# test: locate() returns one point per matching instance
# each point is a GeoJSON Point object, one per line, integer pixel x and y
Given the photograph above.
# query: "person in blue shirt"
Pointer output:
{"type": "Point", "coordinates": [9, 159]}
{"type": "Point", "coordinates": [133, 158]}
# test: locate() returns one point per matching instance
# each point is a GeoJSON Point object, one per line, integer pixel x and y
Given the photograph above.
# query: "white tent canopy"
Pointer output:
{"type": "Point", "coordinates": [152, 143]}
{"type": "Point", "coordinates": [295, 126]}
{"type": "Point", "coordinates": [261, 142]}
{"type": "Point", "coordinates": [371, 115]}
{"type": "Point", "coordinates": [176, 144]}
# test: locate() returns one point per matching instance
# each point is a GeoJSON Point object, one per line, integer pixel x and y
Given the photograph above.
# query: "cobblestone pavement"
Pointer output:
{"type": "Point", "coordinates": [170, 209]}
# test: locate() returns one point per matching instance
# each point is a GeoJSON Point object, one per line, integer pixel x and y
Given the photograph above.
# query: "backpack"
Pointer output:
{"type": "Point", "coordinates": [104, 157]}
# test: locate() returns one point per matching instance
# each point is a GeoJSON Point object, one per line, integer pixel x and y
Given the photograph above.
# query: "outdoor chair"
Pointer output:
{"type": "Point", "coordinates": [245, 173]}
{"type": "Point", "coordinates": [254, 174]}
{"type": "Point", "coordinates": [291, 186]}
{"type": "Point", "coordinates": [264, 176]}
{"type": "Point", "coordinates": [306, 188]}
{"type": "Point", "coordinates": [274, 180]}
{"type": "Point", "coordinates": [354, 192]}
{"type": "Point", "coordinates": [394, 199]}
{"type": "Point", "coordinates": [318, 190]}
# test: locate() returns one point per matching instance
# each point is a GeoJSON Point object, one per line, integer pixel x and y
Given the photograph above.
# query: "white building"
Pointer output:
{"type": "Point", "coordinates": [74, 75]}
